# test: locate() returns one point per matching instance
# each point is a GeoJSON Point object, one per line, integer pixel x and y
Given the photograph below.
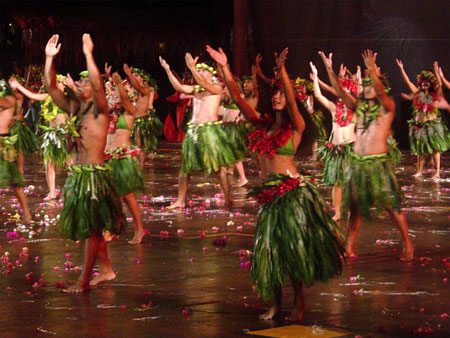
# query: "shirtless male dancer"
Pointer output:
{"type": "Point", "coordinates": [91, 204]}
{"type": "Point", "coordinates": [370, 164]}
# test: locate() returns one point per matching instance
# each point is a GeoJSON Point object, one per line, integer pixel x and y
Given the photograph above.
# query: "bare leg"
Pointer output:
{"type": "Point", "coordinates": [314, 151]}
{"type": "Point", "coordinates": [24, 203]}
{"type": "Point", "coordinates": [133, 206]}
{"type": "Point", "coordinates": [337, 197]}
{"type": "Point", "coordinates": [240, 169]}
{"type": "Point", "coordinates": [299, 302]}
{"type": "Point", "coordinates": [50, 175]}
{"type": "Point", "coordinates": [276, 306]}
{"type": "Point", "coordinates": [437, 164]}
{"type": "Point", "coordinates": [20, 162]}
{"type": "Point", "coordinates": [106, 271]}
{"type": "Point", "coordinates": [420, 162]}
{"type": "Point", "coordinates": [91, 249]}
{"type": "Point", "coordinates": [183, 183]}
{"type": "Point", "coordinates": [225, 185]}
{"type": "Point", "coordinates": [353, 229]}
{"type": "Point", "coordinates": [402, 225]}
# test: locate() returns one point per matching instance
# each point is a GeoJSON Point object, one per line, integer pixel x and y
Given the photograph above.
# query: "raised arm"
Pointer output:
{"type": "Point", "coordinates": [125, 101]}
{"type": "Point", "coordinates": [134, 82]}
{"type": "Point", "coordinates": [369, 59]}
{"type": "Point", "coordinates": [259, 71]}
{"type": "Point", "coordinates": [444, 80]}
{"type": "Point", "coordinates": [221, 58]}
{"type": "Point", "coordinates": [405, 77]}
{"type": "Point", "coordinates": [291, 105]}
{"type": "Point", "coordinates": [61, 100]}
{"type": "Point", "coordinates": [215, 89]}
{"type": "Point", "coordinates": [28, 93]}
{"type": "Point", "coordinates": [176, 84]}
{"type": "Point", "coordinates": [255, 82]}
{"type": "Point", "coordinates": [318, 94]}
{"type": "Point", "coordinates": [346, 97]}
{"type": "Point", "coordinates": [95, 78]}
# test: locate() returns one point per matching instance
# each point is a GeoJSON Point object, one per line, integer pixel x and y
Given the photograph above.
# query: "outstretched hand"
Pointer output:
{"type": "Point", "coordinates": [369, 58]}
{"type": "Point", "coordinates": [13, 83]}
{"type": "Point", "coordinates": [217, 55]}
{"type": "Point", "coordinates": [328, 61]}
{"type": "Point", "coordinates": [127, 69]}
{"type": "Point", "coordinates": [107, 70]}
{"type": "Point", "coordinates": [69, 81]}
{"type": "Point", "coordinates": [52, 48]}
{"type": "Point", "coordinates": [314, 70]}
{"type": "Point", "coordinates": [190, 61]}
{"type": "Point", "coordinates": [281, 58]}
{"type": "Point", "coordinates": [116, 78]}
{"type": "Point", "coordinates": [399, 63]}
{"type": "Point", "coordinates": [164, 64]}
{"type": "Point", "coordinates": [342, 71]}
{"type": "Point", "coordinates": [88, 45]}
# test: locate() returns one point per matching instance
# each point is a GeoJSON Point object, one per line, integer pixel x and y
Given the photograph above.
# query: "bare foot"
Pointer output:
{"type": "Point", "coordinates": [229, 205]}
{"type": "Point", "coordinates": [436, 176]}
{"type": "Point", "coordinates": [102, 277]}
{"type": "Point", "coordinates": [242, 183]}
{"type": "Point", "coordinates": [408, 253]}
{"type": "Point", "coordinates": [336, 217]}
{"type": "Point", "coordinates": [50, 197]}
{"type": "Point", "coordinates": [270, 313]}
{"type": "Point", "coordinates": [295, 316]}
{"type": "Point", "coordinates": [77, 288]}
{"type": "Point", "coordinates": [176, 204]}
{"type": "Point", "coordinates": [137, 238]}
{"type": "Point", "coordinates": [27, 217]}
{"type": "Point", "coordinates": [350, 254]}
{"type": "Point", "coordinates": [230, 171]}
{"type": "Point", "coordinates": [417, 175]}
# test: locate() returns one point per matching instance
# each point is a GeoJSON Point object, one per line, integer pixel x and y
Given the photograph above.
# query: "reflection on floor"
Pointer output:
{"type": "Point", "coordinates": [183, 282]}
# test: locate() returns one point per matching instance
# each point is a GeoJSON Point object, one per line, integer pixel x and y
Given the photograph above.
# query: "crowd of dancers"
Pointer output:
{"type": "Point", "coordinates": [101, 127]}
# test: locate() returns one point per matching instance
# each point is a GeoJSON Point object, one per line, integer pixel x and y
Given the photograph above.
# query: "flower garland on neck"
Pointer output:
{"type": "Point", "coordinates": [261, 143]}
{"type": "Point", "coordinates": [200, 89]}
{"type": "Point", "coordinates": [114, 113]}
{"type": "Point", "coordinates": [424, 103]}
{"type": "Point", "coordinates": [343, 116]}
{"type": "Point", "coordinates": [49, 110]}
{"type": "Point", "coordinates": [367, 114]}
{"type": "Point", "coordinates": [350, 86]}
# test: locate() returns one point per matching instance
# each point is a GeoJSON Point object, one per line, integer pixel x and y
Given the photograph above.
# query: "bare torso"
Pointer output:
{"type": "Point", "coordinates": [343, 135]}
{"type": "Point", "coordinates": [231, 115]}
{"type": "Point", "coordinates": [142, 105]}
{"type": "Point", "coordinates": [373, 140]}
{"type": "Point", "coordinates": [204, 107]}
{"type": "Point", "coordinates": [120, 137]}
{"type": "Point", "coordinates": [58, 120]}
{"type": "Point", "coordinates": [6, 116]}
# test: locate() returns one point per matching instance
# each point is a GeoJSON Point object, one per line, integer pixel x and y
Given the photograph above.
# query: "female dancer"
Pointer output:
{"type": "Point", "coordinates": [295, 236]}
{"type": "Point", "coordinates": [54, 140]}
{"type": "Point", "coordinates": [428, 134]}
{"type": "Point", "coordinates": [336, 153]}
{"type": "Point", "coordinates": [120, 154]}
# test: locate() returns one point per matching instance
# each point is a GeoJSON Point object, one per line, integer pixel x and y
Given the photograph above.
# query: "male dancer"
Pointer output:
{"type": "Point", "coordinates": [10, 174]}
{"type": "Point", "coordinates": [91, 204]}
{"type": "Point", "coordinates": [205, 146]}
{"type": "Point", "coordinates": [370, 179]}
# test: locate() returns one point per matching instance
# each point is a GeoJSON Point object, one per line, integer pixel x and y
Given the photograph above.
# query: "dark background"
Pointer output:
{"type": "Point", "coordinates": [136, 32]}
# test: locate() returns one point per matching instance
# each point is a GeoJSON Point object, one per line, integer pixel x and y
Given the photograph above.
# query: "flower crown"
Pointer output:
{"type": "Point", "coordinates": [426, 75]}
{"type": "Point", "coordinates": [302, 87]}
{"type": "Point", "coordinates": [5, 89]}
{"type": "Point", "coordinates": [247, 77]}
{"type": "Point", "coordinates": [367, 81]}
{"type": "Point", "coordinates": [83, 74]}
{"type": "Point", "coordinates": [146, 77]}
{"type": "Point", "coordinates": [205, 67]}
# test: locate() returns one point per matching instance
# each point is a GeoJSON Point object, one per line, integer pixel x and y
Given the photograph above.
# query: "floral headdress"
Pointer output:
{"type": "Point", "coordinates": [83, 74]}
{"type": "Point", "coordinates": [206, 67]}
{"type": "Point", "coordinates": [247, 77]}
{"type": "Point", "coordinates": [302, 87]}
{"type": "Point", "coordinates": [5, 89]}
{"type": "Point", "coordinates": [146, 77]}
{"type": "Point", "coordinates": [426, 75]}
{"type": "Point", "coordinates": [367, 81]}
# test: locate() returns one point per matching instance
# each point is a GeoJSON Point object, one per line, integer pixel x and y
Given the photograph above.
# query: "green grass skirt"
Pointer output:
{"type": "Point", "coordinates": [206, 148]}
{"type": "Point", "coordinates": [426, 138]}
{"type": "Point", "coordinates": [149, 128]}
{"type": "Point", "coordinates": [237, 134]}
{"type": "Point", "coordinates": [336, 161]}
{"type": "Point", "coordinates": [54, 145]}
{"type": "Point", "coordinates": [295, 236]}
{"type": "Point", "coordinates": [27, 142]}
{"type": "Point", "coordinates": [393, 151]}
{"type": "Point", "coordinates": [90, 203]}
{"type": "Point", "coordinates": [126, 175]}
{"type": "Point", "coordinates": [10, 176]}
{"type": "Point", "coordinates": [370, 182]}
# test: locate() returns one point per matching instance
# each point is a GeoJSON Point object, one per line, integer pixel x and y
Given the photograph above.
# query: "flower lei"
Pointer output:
{"type": "Point", "coordinates": [343, 116]}
{"type": "Point", "coordinates": [267, 192]}
{"type": "Point", "coordinates": [5, 89]}
{"type": "Point", "coordinates": [114, 113]}
{"type": "Point", "coordinates": [423, 103]}
{"type": "Point", "coordinates": [200, 89]}
{"type": "Point", "coordinates": [146, 77]}
{"type": "Point", "coordinates": [49, 110]}
{"type": "Point", "coordinates": [267, 145]}
{"type": "Point", "coordinates": [367, 114]}
{"type": "Point", "coordinates": [349, 85]}
{"type": "Point", "coordinates": [206, 67]}
{"type": "Point", "coordinates": [335, 148]}
{"type": "Point", "coordinates": [122, 152]}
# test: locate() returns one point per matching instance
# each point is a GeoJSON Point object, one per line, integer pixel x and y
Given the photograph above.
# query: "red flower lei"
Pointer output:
{"type": "Point", "coordinates": [423, 104]}
{"type": "Point", "coordinates": [351, 86]}
{"type": "Point", "coordinates": [267, 145]}
{"type": "Point", "coordinates": [122, 152]}
{"type": "Point", "coordinates": [267, 195]}
{"type": "Point", "coordinates": [343, 116]}
{"type": "Point", "coordinates": [114, 113]}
